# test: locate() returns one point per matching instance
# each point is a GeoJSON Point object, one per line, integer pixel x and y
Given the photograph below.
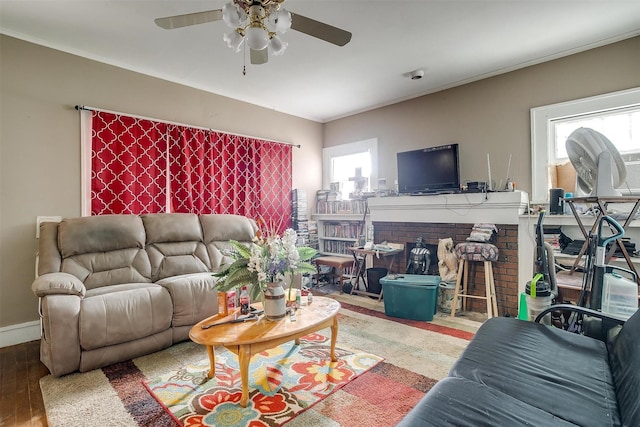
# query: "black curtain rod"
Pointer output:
{"type": "Point", "coordinates": [85, 108]}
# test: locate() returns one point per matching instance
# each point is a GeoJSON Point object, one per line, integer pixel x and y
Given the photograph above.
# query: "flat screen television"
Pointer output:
{"type": "Point", "coordinates": [429, 170]}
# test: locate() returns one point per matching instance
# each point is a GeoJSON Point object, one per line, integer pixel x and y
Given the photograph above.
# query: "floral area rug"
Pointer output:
{"type": "Point", "coordinates": [283, 381]}
{"type": "Point", "coordinates": [416, 355]}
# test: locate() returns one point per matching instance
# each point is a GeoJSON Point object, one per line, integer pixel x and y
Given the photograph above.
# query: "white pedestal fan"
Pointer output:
{"type": "Point", "coordinates": [599, 167]}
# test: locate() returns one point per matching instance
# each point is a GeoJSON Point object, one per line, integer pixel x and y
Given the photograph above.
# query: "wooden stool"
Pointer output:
{"type": "Point", "coordinates": [466, 253]}
{"type": "Point", "coordinates": [338, 263]}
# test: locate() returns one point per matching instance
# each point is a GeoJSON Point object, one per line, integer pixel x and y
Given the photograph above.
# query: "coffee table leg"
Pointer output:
{"type": "Point", "coordinates": [212, 362]}
{"type": "Point", "coordinates": [244, 356]}
{"type": "Point", "coordinates": [334, 338]}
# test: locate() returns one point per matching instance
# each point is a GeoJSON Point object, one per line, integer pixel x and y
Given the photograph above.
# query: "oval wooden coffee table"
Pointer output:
{"type": "Point", "coordinates": [251, 337]}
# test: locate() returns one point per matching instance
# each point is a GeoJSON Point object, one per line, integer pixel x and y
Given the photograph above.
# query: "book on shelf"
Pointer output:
{"type": "Point", "coordinates": [328, 196]}
{"type": "Point", "coordinates": [345, 207]}
{"type": "Point", "coordinates": [337, 247]}
{"type": "Point", "coordinates": [342, 229]}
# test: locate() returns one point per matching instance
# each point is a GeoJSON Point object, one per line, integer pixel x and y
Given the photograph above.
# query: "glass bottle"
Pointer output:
{"type": "Point", "coordinates": [244, 301]}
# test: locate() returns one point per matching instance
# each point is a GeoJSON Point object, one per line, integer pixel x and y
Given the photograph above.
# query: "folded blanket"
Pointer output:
{"type": "Point", "coordinates": [482, 233]}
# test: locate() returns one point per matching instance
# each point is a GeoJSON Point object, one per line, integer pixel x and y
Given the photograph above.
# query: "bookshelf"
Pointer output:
{"type": "Point", "coordinates": [337, 233]}
{"type": "Point", "coordinates": [340, 225]}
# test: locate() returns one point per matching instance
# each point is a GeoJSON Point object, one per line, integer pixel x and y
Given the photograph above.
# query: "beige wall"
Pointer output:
{"type": "Point", "coordinates": [40, 148]}
{"type": "Point", "coordinates": [39, 131]}
{"type": "Point", "coordinates": [491, 115]}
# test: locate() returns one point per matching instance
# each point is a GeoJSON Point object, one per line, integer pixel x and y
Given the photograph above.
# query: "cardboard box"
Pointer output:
{"type": "Point", "coordinates": [564, 176]}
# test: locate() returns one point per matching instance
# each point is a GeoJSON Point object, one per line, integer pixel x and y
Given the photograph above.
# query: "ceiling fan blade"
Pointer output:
{"type": "Point", "coordinates": [179, 21]}
{"type": "Point", "coordinates": [320, 30]}
{"type": "Point", "coordinates": [259, 56]}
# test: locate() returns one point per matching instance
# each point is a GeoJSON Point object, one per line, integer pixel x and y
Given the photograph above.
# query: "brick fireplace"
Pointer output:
{"type": "Point", "coordinates": [403, 219]}
{"type": "Point", "coordinates": [505, 270]}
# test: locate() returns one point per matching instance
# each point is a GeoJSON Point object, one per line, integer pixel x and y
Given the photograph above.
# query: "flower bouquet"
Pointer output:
{"type": "Point", "coordinates": [267, 259]}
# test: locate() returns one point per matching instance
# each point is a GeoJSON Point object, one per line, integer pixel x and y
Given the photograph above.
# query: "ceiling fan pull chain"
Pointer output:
{"type": "Point", "coordinates": [244, 59]}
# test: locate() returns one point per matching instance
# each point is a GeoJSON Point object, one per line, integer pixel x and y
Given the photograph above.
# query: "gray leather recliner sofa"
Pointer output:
{"type": "Point", "coordinates": [115, 287]}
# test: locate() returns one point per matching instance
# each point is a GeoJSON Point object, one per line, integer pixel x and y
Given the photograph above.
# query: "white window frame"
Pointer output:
{"type": "Point", "coordinates": [367, 145]}
{"type": "Point", "coordinates": [86, 120]}
{"type": "Point", "coordinates": [542, 131]}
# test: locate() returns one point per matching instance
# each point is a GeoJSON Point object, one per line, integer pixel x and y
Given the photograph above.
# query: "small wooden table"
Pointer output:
{"type": "Point", "coordinates": [338, 263]}
{"type": "Point", "coordinates": [251, 337]}
{"type": "Point", "coordinates": [361, 268]}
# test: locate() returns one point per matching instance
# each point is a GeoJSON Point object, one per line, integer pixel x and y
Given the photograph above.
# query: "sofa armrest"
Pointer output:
{"type": "Point", "coordinates": [58, 284]}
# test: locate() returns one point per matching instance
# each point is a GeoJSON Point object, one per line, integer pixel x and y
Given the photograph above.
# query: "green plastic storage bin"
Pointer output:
{"type": "Point", "coordinates": [410, 296]}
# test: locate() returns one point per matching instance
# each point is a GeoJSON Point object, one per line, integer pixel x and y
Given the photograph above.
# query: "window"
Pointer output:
{"type": "Point", "coordinates": [621, 126]}
{"type": "Point", "coordinates": [615, 115]}
{"type": "Point", "coordinates": [345, 164]}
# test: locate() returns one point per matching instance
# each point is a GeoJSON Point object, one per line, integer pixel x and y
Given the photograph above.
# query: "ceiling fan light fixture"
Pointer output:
{"type": "Point", "coordinates": [234, 40]}
{"type": "Point", "coordinates": [280, 20]}
{"type": "Point", "coordinates": [233, 16]}
{"type": "Point", "coordinates": [257, 37]}
{"type": "Point", "coordinates": [277, 45]}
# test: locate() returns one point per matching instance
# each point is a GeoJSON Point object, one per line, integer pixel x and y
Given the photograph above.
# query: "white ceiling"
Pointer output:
{"type": "Point", "coordinates": [454, 41]}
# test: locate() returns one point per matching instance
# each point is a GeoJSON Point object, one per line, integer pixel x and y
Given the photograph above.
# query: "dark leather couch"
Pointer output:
{"type": "Point", "coordinates": [516, 373]}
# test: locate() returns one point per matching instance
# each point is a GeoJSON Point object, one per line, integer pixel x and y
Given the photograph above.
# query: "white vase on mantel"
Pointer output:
{"type": "Point", "coordinates": [275, 306]}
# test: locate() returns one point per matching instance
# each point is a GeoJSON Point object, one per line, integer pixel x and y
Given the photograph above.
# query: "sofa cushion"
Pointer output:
{"type": "Point", "coordinates": [102, 233]}
{"type": "Point", "coordinates": [624, 359]}
{"type": "Point", "coordinates": [121, 313]}
{"type": "Point", "coordinates": [172, 227]}
{"type": "Point", "coordinates": [109, 268]}
{"type": "Point", "coordinates": [518, 358]}
{"type": "Point", "coordinates": [104, 356]}
{"type": "Point", "coordinates": [194, 297]}
{"type": "Point", "coordinates": [174, 245]}
{"type": "Point", "coordinates": [218, 229]}
{"type": "Point", "coordinates": [465, 403]}
{"type": "Point", "coordinates": [104, 250]}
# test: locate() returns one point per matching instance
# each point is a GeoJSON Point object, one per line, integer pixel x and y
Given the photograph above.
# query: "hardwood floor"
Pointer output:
{"type": "Point", "coordinates": [20, 397]}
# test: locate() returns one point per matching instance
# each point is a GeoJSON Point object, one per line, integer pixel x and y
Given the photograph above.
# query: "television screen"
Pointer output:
{"type": "Point", "coordinates": [429, 170]}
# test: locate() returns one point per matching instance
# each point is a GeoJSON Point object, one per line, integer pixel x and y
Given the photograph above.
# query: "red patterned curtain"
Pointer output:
{"type": "Point", "coordinates": [273, 192]}
{"type": "Point", "coordinates": [128, 165]}
{"type": "Point", "coordinates": [215, 172]}
{"type": "Point", "coordinates": [191, 164]}
{"type": "Point", "coordinates": [206, 171]}
{"type": "Point", "coordinates": [235, 175]}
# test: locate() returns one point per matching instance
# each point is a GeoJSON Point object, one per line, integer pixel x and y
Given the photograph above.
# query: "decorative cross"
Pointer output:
{"type": "Point", "coordinates": [359, 180]}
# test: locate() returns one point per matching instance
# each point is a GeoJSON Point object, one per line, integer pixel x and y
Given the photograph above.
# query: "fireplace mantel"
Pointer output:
{"type": "Point", "coordinates": [468, 208]}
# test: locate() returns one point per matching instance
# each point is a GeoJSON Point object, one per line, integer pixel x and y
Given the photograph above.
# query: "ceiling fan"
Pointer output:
{"type": "Point", "coordinates": [259, 22]}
